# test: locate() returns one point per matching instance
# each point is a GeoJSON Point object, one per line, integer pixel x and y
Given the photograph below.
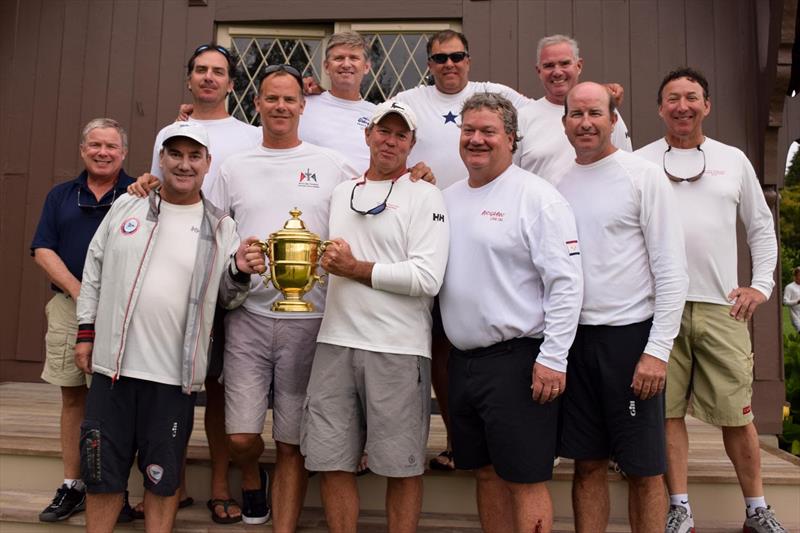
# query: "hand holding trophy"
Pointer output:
{"type": "Point", "coordinates": [293, 254]}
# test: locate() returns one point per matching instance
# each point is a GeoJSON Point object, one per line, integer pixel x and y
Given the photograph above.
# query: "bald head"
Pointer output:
{"type": "Point", "coordinates": [591, 88]}
{"type": "Point", "coordinates": [589, 119]}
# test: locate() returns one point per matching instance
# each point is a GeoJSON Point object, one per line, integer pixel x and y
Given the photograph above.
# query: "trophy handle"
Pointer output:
{"type": "Point", "coordinates": [322, 278]}
{"type": "Point", "coordinates": [264, 245]}
{"type": "Point", "coordinates": [323, 245]}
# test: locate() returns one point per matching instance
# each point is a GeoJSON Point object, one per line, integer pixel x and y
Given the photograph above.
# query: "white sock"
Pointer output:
{"type": "Point", "coordinates": [681, 500]}
{"type": "Point", "coordinates": [76, 484]}
{"type": "Point", "coordinates": [751, 504]}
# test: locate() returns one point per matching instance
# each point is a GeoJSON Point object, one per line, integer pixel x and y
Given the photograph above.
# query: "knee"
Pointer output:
{"type": "Point", "coordinates": [646, 483]}
{"type": "Point", "coordinates": [241, 443]}
{"type": "Point", "coordinates": [590, 469]}
{"type": "Point", "coordinates": [287, 451]}
{"type": "Point", "coordinates": [486, 474]}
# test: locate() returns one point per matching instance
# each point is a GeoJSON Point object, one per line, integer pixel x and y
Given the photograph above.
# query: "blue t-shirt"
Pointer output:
{"type": "Point", "coordinates": [70, 217]}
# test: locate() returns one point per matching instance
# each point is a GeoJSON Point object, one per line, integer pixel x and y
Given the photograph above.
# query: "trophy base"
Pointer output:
{"type": "Point", "coordinates": [292, 306]}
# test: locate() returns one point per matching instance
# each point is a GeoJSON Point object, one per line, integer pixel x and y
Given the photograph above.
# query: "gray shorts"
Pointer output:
{"type": "Point", "coordinates": [267, 364]}
{"type": "Point", "coordinates": [367, 401]}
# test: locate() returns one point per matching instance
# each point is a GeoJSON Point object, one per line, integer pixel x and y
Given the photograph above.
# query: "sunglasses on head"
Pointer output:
{"type": "Point", "coordinates": [203, 47]}
{"type": "Point", "coordinates": [271, 69]}
{"type": "Point", "coordinates": [455, 57]}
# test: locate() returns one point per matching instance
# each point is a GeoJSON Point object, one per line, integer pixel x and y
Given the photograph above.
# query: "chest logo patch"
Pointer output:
{"type": "Point", "coordinates": [573, 248]}
{"type": "Point", "coordinates": [450, 117]}
{"type": "Point", "coordinates": [496, 216]}
{"type": "Point", "coordinates": [308, 179]}
{"type": "Point", "coordinates": [130, 226]}
{"type": "Point", "coordinates": [363, 122]}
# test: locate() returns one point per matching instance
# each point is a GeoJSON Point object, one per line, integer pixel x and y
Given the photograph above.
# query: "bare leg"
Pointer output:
{"type": "Point", "coordinates": [741, 445]}
{"type": "Point", "coordinates": [102, 511]}
{"type": "Point", "coordinates": [73, 406]}
{"type": "Point", "coordinates": [440, 350]}
{"type": "Point", "coordinates": [246, 450]}
{"type": "Point", "coordinates": [403, 503]}
{"type": "Point", "coordinates": [532, 507]}
{"type": "Point", "coordinates": [340, 499]}
{"type": "Point", "coordinates": [494, 502]}
{"type": "Point", "coordinates": [217, 445]}
{"type": "Point", "coordinates": [590, 496]}
{"type": "Point", "coordinates": [159, 512]}
{"type": "Point", "coordinates": [677, 456]}
{"type": "Point", "coordinates": [288, 487]}
{"type": "Point", "coordinates": [647, 503]}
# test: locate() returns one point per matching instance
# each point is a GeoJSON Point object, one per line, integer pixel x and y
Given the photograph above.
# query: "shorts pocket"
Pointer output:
{"type": "Point", "coordinates": [91, 452]}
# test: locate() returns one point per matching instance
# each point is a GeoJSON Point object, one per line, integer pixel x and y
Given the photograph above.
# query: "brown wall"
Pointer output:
{"type": "Point", "coordinates": [63, 62]}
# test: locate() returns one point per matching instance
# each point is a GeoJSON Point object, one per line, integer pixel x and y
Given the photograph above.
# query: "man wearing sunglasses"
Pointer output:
{"type": "Point", "coordinates": [370, 383]}
{"type": "Point", "coordinates": [711, 360]}
{"type": "Point", "coordinates": [544, 149]}
{"type": "Point", "coordinates": [635, 283]}
{"type": "Point", "coordinates": [268, 354]}
{"type": "Point", "coordinates": [70, 216]}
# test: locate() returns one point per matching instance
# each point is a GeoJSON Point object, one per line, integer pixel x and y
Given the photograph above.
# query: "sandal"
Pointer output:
{"type": "Point", "coordinates": [227, 519]}
{"type": "Point", "coordinates": [447, 466]}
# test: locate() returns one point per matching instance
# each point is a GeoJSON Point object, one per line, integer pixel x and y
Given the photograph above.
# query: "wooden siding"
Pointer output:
{"type": "Point", "coordinates": [63, 62]}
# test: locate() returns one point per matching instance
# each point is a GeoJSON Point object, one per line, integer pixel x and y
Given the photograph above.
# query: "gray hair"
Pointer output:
{"type": "Point", "coordinates": [558, 38]}
{"type": "Point", "coordinates": [96, 123]}
{"type": "Point", "coordinates": [347, 38]}
{"type": "Point", "coordinates": [500, 105]}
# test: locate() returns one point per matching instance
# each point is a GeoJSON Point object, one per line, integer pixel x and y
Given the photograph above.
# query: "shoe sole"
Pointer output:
{"type": "Point", "coordinates": [256, 520]}
{"type": "Point", "coordinates": [49, 519]}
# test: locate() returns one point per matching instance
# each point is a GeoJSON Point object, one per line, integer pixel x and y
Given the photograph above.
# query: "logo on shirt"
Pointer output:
{"type": "Point", "coordinates": [308, 179]}
{"type": "Point", "coordinates": [363, 122]}
{"type": "Point", "coordinates": [130, 226]}
{"type": "Point", "coordinates": [195, 229]}
{"type": "Point", "coordinates": [438, 217]}
{"type": "Point", "coordinates": [572, 248]}
{"type": "Point", "coordinates": [493, 215]}
{"type": "Point", "coordinates": [154, 473]}
{"type": "Point", "coordinates": [450, 117]}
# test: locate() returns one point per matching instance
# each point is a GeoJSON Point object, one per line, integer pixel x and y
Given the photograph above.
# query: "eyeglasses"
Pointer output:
{"type": "Point", "coordinates": [378, 209]}
{"type": "Point", "coordinates": [271, 69]}
{"type": "Point", "coordinates": [96, 206]}
{"type": "Point", "coordinates": [455, 57]}
{"type": "Point", "coordinates": [203, 47]}
{"type": "Point", "coordinates": [675, 178]}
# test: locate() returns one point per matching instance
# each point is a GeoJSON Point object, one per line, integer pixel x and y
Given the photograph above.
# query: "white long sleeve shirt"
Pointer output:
{"type": "Point", "coordinates": [634, 263]}
{"type": "Point", "coordinates": [545, 149]}
{"type": "Point", "coordinates": [709, 208]}
{"type": "Point", "coordinates": [258, 187]}
{"type": "Point", "coordinates": [408, 242]}
{"type": "Point", "coordinates": [514, 268]}
{"type": "Point", "coordinates": [438, 126]}
{"type": "Point", "coordinates": [791, 299]}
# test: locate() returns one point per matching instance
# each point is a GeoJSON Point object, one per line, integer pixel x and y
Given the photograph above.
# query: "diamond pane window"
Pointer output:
{"type": "Point", "coordinates": [257, 52]}
{"type": "Point", "coordinates": [399, 62]}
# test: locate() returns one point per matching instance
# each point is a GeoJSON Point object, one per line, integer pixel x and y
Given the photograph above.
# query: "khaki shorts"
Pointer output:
{"type": "Point", "coordinates": [360, 400]}
{"type": "Point", "coordinates": [267, 364]}
{"type": "Point", "coordinates": [712, 364]}
{"type": "Point", "coordinates": [62, 326]}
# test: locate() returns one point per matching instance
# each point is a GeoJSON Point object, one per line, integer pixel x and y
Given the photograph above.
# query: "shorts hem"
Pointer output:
{"type": "Point", "coordinates": [724, 422]}
{"type": "Point", "coordinates": [60, 382]}
{"type": "Point", "coordinates": [243, 430]}
{"type": "Point", "coordinates": [92, 489]}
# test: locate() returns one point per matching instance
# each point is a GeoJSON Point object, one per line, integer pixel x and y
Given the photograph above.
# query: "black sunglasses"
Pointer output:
{"type": "Point", "coordinates": [293, 72]}
{"type": "Point", "coordinates": [455, 57]}
{"type": "Point", "coordinates": [675, 178]}
{"type": "Point", "coordinates": [378, 209]}
{"type": "Point", "coordinates": [105, 205]}
{"type": "Point", "coordinates": [203, 47]}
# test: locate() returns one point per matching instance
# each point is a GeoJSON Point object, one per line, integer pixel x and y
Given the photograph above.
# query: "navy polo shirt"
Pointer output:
{"type": "Point", "coordinates": [70, 218]}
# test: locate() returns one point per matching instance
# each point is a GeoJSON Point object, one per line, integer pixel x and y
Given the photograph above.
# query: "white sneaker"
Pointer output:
{"type": "Point", "coordinates": [763, 521]}
{"type": "Point", "coordinates": [679, 520]}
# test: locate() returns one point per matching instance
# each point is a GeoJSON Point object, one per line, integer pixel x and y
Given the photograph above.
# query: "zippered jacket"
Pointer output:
{"type": "Point", "coordinates": [116, 263]}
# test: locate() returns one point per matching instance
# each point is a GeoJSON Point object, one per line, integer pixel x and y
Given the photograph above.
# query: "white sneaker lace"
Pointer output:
{"type": "Point", "coordinates": [676, 517]}
{"type": "Point", "coordinates": [766, 517]}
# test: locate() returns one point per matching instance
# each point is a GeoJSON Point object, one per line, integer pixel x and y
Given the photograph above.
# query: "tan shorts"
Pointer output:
{"type": "Point", "coordinates": [62, 326]}
{"type": "Point", "coordinates": [360, 400]}
{"type": "Point", "coordinates": [712, 364]}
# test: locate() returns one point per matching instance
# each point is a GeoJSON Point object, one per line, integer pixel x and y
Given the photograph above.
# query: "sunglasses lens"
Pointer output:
{"type": "Point", "coordinates": [458, 57]}
{"type": "Point", "coordinates": [455, 57]}
{"type": "Point", "coordinates": [439, 58]}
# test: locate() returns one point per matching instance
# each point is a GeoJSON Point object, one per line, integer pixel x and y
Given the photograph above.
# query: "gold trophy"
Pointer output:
{"type": "Point", "coordinates": [293, 253]}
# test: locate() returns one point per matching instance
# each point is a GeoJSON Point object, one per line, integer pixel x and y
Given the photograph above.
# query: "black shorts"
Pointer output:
{"type": "Point", "coordinates": [601, 416]}
{"type": "Point", "coordinates": [493, 418]}
{"type": "Point", "coordinates": [130, 416]}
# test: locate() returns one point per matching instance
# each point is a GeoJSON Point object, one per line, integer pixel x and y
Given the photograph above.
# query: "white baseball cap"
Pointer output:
{"type": "Point", "coordinates": [191, 130]}
{"type": "Point", "coordinates": [391, 106]}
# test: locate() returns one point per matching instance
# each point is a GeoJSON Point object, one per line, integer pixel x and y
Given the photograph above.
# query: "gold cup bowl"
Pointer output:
{"type": "Point", "coordinates": [293, 254]}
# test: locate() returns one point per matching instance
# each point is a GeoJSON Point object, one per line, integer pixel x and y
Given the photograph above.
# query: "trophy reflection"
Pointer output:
{"type": "Point", "coordinates": [293, 254]}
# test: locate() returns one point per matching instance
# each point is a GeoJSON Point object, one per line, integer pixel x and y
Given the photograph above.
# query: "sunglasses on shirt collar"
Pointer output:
{"type": "Point", "coordinates": [675, 178]}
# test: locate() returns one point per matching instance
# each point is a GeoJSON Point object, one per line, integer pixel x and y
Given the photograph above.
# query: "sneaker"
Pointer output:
{"type": "Point", "coordinates": [126, 514]}
{"type": "Point", "coordinates": [255, 505]}
{"type": "Point", "coordinates": [679, 520]}
{"type": "Point", "coordinates": [66, 502]}
{"type": "Point", "coordinates": [763, 521]}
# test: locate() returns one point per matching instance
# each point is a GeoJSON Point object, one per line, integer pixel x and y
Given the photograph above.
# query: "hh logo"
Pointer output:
{"type": "Point", "coordinates": [438, 217]}
{"type": "Point", "coordinates": [308, 179]}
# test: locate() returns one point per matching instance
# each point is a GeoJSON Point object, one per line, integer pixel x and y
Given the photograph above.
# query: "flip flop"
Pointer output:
{"type": "Point", "coordinates": [227, 519]}
{"type": "Point", "coordinates": [186, 502]}
{"type": "Point", "coordinates": [435, 464]}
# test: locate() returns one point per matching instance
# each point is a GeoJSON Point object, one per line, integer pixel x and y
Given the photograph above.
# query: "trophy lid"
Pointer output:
{"type": "Point", "coordinates": [295, 229]}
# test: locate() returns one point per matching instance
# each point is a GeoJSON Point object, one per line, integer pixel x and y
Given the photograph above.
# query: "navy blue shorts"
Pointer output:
{"type": "Point", "coordinates": [130, 416]}
{"type": "Point", "coordinates": [601, 416]}
{"type": "Point", "coordinates": [493, 418]}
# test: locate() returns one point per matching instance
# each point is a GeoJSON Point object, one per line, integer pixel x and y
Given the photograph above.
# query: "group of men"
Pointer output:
{"type": "Point", "coordinates": [564, 266]}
